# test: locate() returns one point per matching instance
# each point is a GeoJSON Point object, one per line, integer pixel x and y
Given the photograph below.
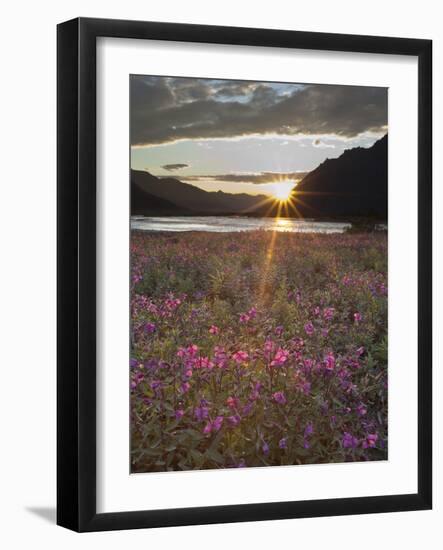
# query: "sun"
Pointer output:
{"type": "Point", "coordinates": [282, 190]}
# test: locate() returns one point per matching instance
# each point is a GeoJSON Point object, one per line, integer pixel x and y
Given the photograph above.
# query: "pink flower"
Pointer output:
{"type": "Point", "coordinates": [234, 420]}
{"type": "Point", "coordinates": [269, 346]}
{"type": "Point", "coordinates": [244, 318]}
{"type": "Point", "coordinates": [328, 313]}
{"type": "Point", "coordinates": [252, 313]}
{"type": "Point", "coordinates": [216, 425]}
{"type": "Point", "coordinates": [232, 402]}
{"type": "Point", "coordinates": [240, 356]}
{"type": "Point", "coordinates": [185, 387]}
{"type": "Point", "coordinates": [150, 328]}
{"type": "Point", "coordinates": [203, 363]}
{"type": "Point", "coordinates": [330, 362]}
{"type": "Point", "coordinates": [192, 350]}
{"type": "Point", "coordinates": [370, 441]}
{"type": "Point", "coordinates": [309, 328]}
{"type": "Point", "coordinates": [214, 329]}
{"type": "Point", "coordinates": [280, 358]}
{"type": "Point", "coordinates": [213, 426]}
{"type": "Point", "coordinates": [357, 317]}
{"type": "Point", "coordinates": [279, 397]}
{"type": "Point", "coordinates": [349, 441]}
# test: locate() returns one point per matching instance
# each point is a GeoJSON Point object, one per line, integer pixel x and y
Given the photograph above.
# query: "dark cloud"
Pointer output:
{"type": "Point", "coordinates": [234, 89]}
{"type": "Point", "coordinates": [263, 177]}
{"type": "Point", "coordinates": [172, 167]}
{"type": "Point", "coordinates": [169, 109]}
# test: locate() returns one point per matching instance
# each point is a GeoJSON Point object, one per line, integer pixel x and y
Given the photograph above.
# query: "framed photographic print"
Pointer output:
{"type": "Point", "coordinates": [244, 274]}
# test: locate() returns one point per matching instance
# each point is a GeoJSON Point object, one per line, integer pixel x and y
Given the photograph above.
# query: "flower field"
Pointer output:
{"type": "Point", "coordinates": [257, 349]}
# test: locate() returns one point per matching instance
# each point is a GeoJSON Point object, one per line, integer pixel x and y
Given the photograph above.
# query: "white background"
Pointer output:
{"type": "Point", "coordinates": [117, 490]}
{"type": "Point", "coordinates": [27, 299]}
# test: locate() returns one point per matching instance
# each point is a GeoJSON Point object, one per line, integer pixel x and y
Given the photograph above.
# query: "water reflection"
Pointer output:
{"type": "Point", "coordinates": [226, 224]}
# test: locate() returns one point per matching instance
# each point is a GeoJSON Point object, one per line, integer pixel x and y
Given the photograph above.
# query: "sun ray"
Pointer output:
{"type": "Point", "coordinates": [268, 257]}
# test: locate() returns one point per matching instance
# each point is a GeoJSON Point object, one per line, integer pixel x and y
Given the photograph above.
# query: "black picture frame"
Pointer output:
{"type": "Point", "coordinates": [76, 280]}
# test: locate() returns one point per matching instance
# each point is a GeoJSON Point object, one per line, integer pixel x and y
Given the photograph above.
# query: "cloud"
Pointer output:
{"type": "Point", "coordinates": [172, 167]}
{"type": "Point", "coordinates": [323, 145]}
{"type": "Point", "coordinates": [164, 109]}
{"type": "Point", "coordinates": [260, 178]}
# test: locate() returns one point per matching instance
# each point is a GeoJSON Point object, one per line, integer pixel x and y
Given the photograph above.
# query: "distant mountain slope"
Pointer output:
{"type": "Point", "coordinates": [354, 184]}
{"type": "Point", "coordinates": [186, 197]}
{"type": "Point", "coordinates": [145, 204]}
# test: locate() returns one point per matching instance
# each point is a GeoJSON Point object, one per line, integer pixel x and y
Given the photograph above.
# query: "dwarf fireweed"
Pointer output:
{"type": "Point", "coordinates": [244, 358]}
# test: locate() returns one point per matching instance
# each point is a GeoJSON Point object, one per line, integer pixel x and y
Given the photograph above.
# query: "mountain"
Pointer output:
{"type": "Point", "coordinates": [353, 185]}
{"type": "Point", "coordinates": [146, 204]}
{"type": "Point", "coordinates": [185, 198]}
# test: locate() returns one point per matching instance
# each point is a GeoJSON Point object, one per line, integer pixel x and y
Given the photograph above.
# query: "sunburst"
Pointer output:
{"type": "Point", "coordinates": [282, 190]}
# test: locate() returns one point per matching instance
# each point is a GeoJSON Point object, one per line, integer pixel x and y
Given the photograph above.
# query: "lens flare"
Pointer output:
{"type": "Point", "coordinates": [282, 190]}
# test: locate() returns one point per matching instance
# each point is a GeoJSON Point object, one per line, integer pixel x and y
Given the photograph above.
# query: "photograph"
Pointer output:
{"type": "Point", "coordinates": [259, 291]}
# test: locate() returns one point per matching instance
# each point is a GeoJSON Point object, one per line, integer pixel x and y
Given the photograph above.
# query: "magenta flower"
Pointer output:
{"type": "Point", "coordinates": [204, 363]}
{"type": "Point", "coordinates": [279, 397]}
{"type": "Point", "coordinates": [185, 387]}
{"type": "Point", "coordinates": [280, 358]}
{"type": "Point", "coordinates": [330, 361]}
{"type": "Point", "coordinates": [309, 328]}
{"type": "Point", "coordinates": [244, 318]}
{"type": "Point", "coordinates": [305, 387]}
{"type": "Point", "coordinates": [214, 329]}
{"type": "Point", "coordinates": [269, 346]}
{"type": "Point", "coordinates": [150, 328]}
{"type": "Point", "coordinates": [217, 424]}
{"type": "Point", "coordinates": [361, 409]}
{"type": "Point", "coordinates": [309, 429]}
{"type": "Point", "coordinates": [192, 350]}
{"type": "Point", "coordinates": [349, 441]}
{"type": "Point", "coordinates": [252, 313]}
{"type": "Point", "coordinates": [220, 357]}
{"type": "Point", "coordinates": [234, 420]}
{"type": "Point", "coordinates": [370, 441]}
{"type": "Point", "coordinates": [357, 317]}
{"type": "Point", "coordinates": [328, 313]}
{"type": "Point", "coordinates": [179, 413]}
{"type": "Point", "coordinates": [240, 356]}
{"type": "Point", "coordinates": [201, 413]}
{"type": "Point", "coordinates": [213, 426]}
{"type": "Point", "coordinates": [232, 402]}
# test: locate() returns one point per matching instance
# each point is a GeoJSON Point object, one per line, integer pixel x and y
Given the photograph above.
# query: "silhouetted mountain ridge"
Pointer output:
{"type": "Point", "coordinates": [187, 197]}
{"type": "Point", "coordinates": [353, 185]}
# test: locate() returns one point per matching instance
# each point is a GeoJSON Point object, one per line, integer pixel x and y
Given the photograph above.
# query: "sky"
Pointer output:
{"type": "Point", "coordinates": [247, 136]}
